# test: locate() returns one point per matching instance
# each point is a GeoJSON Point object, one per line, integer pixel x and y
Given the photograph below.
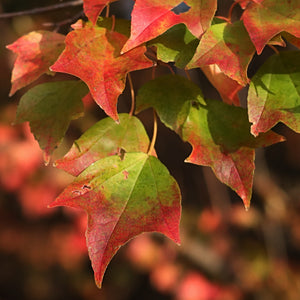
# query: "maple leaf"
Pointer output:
{"type": "Point", "coordinates": [274, 93]}
{"type": "Point", "coordinates": [49, 108]}
{"type": "Point", "coordinates": [229, 47]}
{"type": "Point", "coordinates": [36, 51]}
{"type": "Point", "coordinates": [123, 198]}
{"type": "Point", "coordinates": [219, 133]}
{"type": "Point", "coordinates": [267, 18]}
{"type": "Point", "coordinates": [93, 8]}
{"type": "Point", "coordinates": [93, 55]}
{"type": "Point", "coordinates": [152, 18]}
{"type": "Point", "coordinates": [227, 87]}
{"type": "Point", "coordinates": [103, 139]}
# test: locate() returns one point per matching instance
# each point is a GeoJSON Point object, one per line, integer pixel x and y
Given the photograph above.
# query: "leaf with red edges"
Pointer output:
{"type": "Point", "coordinates": [49, 108]}
{"type": "Point", "coordinates": [227, 87]}
{"type": "Point", "coordinates": [105, 138]}
{"type": "Point", "coordinates": [93, 8]}
{"type": "Point", "coordinates": [229, 47]}
{"type": "Point", "coordinates": [36, 51]}
{"type": "Point", "coordinates": [152, 18]}
{"type": "Point", "coordinates": [93, 55]}
{"type": "Point", "coordinates": [266, 19]}
{"type": "Point", "coordinates": [219, 133]}
{"type": "Point", "coordinates": [123, 198]}
{"type": "Point", "coordinates": [274, 93]}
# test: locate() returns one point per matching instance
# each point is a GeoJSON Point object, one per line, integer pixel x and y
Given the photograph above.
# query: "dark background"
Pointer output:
{"type": "Point", "coordinates": [226, 252]}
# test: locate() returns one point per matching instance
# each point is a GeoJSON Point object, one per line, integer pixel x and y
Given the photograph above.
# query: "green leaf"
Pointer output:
{"type": "Point", "coordinates": [103, 139]}
{"type": "Point", "coordinates": [274, 93]}
{"type": "Point", "coordinates": [123, 198]}
{"type": "Point", "coordinates": [49, 108]}
{"type": "Point", "coordinates": [219, 133]}
{"type": "Point", "coordinates": [176, 45]}
{"type": "Point", "coordinates": [169, 91]}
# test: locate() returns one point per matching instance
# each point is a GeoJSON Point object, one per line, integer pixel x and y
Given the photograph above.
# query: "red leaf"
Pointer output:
{"type": "Point", "coordinates": [120, 207]}
{"type": "Point", "coordinates": [93, 8]}
{"type": "Point", "coordinates": [229, 47]}
{"type": "Point", "coordinates": [227, 87]}
{"type": "Point", "coordinates": [220, 136]}
{"type": "Point", "coordinates": [269, 17]}
{"type": "Point", "coordinates": [152, 18]}
{"type": "Point", "coordinates": [37, 51]}
{"type": "Point", "coordinates": [92, 54]}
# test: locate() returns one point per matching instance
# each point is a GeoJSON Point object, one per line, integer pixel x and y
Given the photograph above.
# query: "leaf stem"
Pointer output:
{"type": "Point", "coordinates": [113, 24]}
{"type": "Point", "coordinates": [40, 9]}
{"type": "Point", "coordinates": [274, 49]}
{"type": "Point", "coordinates": [107, 11]}
{"type": "Point", "coordinates": [187, 74]}
{"type": "Point", "coordinates": [154, 135]}
{"type": "Point", "coordinates": [132, 95]}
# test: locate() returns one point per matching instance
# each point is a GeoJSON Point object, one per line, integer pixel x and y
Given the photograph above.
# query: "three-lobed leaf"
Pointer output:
{"type": "Point", "coordinates": [123, 198]}
{"type": "Point", "coordinates": [49, 108]}
{"type": "Point", "coordinates": [93, 54]}
{"type": "Point", "coordinates": [274, 93]}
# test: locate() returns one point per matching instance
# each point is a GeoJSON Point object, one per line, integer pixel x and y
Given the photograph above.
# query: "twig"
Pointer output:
{"type": "Point", "coordinates": [132, 95]}
{"type": "Point", "coordinates": [40, 9]}
{"type": "Point", "coordinates": [154, 135]}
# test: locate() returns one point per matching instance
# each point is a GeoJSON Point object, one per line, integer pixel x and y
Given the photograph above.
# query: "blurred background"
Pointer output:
{"type": "Point", "coordinates": [226, 252]}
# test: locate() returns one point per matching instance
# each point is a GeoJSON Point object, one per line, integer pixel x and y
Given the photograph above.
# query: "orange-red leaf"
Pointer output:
{"type": "Point", "coordinates": [93, 55]}
{"type": "Point", "coordinates": [151, 18]}
{"type": "Point", "coordinates": [36, 51]}
{"type": "Point", "coordinates": [267, 18]}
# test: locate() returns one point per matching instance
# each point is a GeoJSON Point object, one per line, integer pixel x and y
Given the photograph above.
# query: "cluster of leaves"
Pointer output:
{"type": "Point", "coordinates": [120, 182]}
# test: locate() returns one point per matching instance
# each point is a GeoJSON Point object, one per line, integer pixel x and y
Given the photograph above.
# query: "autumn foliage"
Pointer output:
{"type": "Point", "coordinates": [119, 180]}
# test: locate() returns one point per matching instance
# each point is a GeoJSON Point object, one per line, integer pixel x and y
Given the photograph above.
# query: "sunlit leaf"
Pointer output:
{"type": "Point", "coordinates": [93, 55]}
{"type": "Point", "coordinates": [152, 18]}
{"type": "Point", "coordinates": [123, 198]}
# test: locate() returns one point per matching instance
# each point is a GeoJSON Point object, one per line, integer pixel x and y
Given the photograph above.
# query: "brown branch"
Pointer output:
{"type": "Point", "coordinates": [40, 9]}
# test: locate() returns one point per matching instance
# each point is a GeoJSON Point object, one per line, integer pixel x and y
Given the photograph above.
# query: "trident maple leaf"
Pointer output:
{"type": "Point", "coordinates": [151, 18]}
{"type": "Point", "coordinates": [93, 8]}
{"type": "Point", "coordinates": [93, 55]}
{"type": "Point", "coordinates": [37, 51]}
{"type": "Point", "coordinates": [265, 19]}
{"type": "Point", "coordinates": [123, 198]}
